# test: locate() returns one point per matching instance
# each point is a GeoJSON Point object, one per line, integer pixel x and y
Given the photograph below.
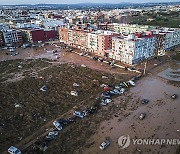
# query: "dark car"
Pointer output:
{"type": "Point", "coordinates": [125, 68]}
{"type": "Point", "coordinates": [63, 122]}
{"type": "Point", "coordinates": [174, 96]}
{"type": "Point", "coordinates": [92, 110]}
{"type": "Point", "coordinates": [145, 101]}
{"type": "Point", "coordinates": [135, 78]}
{"type": "Point", "coordinates": [71, 119]}
{"type": "Point", "coordinates": [95, 58]}
{"type": "Point", "coordinates": [132, 68]}
{"type": "Point", "coordinates": [106, 95]}
{"type": "Point", "coordinates": [69, 50]}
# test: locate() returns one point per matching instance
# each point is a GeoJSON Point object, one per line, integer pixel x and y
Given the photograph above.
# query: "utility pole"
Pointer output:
{"type": "Point", "coordinates": [145, 67]}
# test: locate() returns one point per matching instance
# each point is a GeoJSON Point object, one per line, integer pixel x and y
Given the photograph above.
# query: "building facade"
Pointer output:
{"type": "Point", "coordinates": [130, 44]}
{"type": "Point", "coordinates": [105, 42]}
{"type": "Point", "coordinates": [12, 37]}
{"type": "Point", "coordinates": [166, 40]}
{"type": "Point", "coordinates": [63, 35]}
{"type": "Point", "coordinates": [50, 35]}
{"type": "Point", "coordinates": [131, 49]}
{"type": "Point", "coordinates": [128, 29]}
{"type": "Point", "coordinates": [93, 42]}
{"type": "Point", "coordinates": [35, 35]}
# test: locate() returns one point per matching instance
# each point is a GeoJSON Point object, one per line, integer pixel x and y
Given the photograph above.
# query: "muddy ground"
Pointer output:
{"type": "Point", "coordinates": [26, 112]}
{"type": "Point", "coordinates": [61, 56]}
{"type": "Point", "coordinates": [25, 109]}
{"type": "Point", "coordinates": [162, 120]}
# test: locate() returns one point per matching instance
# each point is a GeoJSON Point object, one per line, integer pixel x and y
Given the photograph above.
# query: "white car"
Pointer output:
{"type": "Point", "coordinates": [142, 116]}
{"type": "Point", "coordinates": [83, 66]}
{"type": "Point", "coordinates": [14, 150]}
{"type": "Point", "coordinates": [57, 125]}
{"type": "Point", "coordinates": [104, 145]}
{"type": "Point", "coordinates": [80, 114]}
{"type": "Point", "coordinates": [74, 93]}
{"type": "Point", "coordinates": [117, 87]}
{"type": "Point", "coordinates": [106, 101]}
{"type": "Point", "coordinates": [122, 90]}
{"type": "Point", "coordinates": [132, 83]}
{"type": "Point", "coordinates": [53, 133]}
{"type": "Point", "coordinates": [43, 88]}
{"type": "Point", "coordinates": [116, 91]}
{"type": "Point", "coordinates": [81, 54]}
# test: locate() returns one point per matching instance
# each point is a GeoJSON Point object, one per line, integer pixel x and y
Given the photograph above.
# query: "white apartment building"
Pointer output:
{"type": "Point", "coordinates": [167, 39]}
{"type": "Point", "coordinates": [12, 37]}
{"type": "Point", "coordinates": [172, 39]}
{"type": "Point", "coordinates": [93, 42]}
{"type": "Point", "coordinates": [131, 49]}
{"type": "Point", "coordinates": [128, 28]}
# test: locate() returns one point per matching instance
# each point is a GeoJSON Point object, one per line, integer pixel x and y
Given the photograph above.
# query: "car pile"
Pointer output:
{"type": "Point", "coordinates": [109, 91]}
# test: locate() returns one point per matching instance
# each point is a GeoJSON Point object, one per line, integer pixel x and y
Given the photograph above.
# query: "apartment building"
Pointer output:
{"type": "Point", "coordinates": [63, 34]}
{"type": "Point", "coordinates": [172, 39]}
{"type": "Point", "coordinates": [70, 37]}
{"type": "Point", "coordinates": [83, 40]}
{"type": "Point", "coordinates": [100, 42]}
{"type": "Point", "coordinates": [35, 35]}
{"type": "Point", "coordinates": [50, 34]}
{"type": "Point", "coordinates": [140, 44]}
{"type": "Point", "coordinates": [93, 42]}
{"type": "Point", "coordinates": [80, 38]}
{"type": "Point", "coordinates": [12, 37]}
{"type": "Point", "coordinates": [132, 49]}
{"type": "Point", "coordinates": [167, 39]}
{"type": "Point", "coordinates": [77, 38]}
{"type": "Point", "coordinates": [128, 29]}
{"type": "Point", "coordinates": [105, 42]}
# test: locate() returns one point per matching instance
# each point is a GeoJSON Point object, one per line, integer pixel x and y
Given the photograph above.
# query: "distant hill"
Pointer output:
{"type": "Point", "coordinates": [92, 5]}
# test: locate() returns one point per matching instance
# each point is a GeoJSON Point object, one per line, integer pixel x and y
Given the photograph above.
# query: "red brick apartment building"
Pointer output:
{"type": "Point", "coordinates": [36, 35]}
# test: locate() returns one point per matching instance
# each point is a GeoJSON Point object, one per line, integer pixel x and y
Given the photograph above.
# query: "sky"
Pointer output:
{"type": "Point", "coordinates": [11, 2]}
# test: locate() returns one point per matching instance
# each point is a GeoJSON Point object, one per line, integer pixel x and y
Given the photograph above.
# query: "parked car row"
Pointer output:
{"type": "Point", "coordinates": [59, 125]}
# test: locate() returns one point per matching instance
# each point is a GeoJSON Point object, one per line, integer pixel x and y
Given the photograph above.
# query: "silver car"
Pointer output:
{"type": "Point", "coordinates": [57, 125]}
{"type": "Point", "coordinates": [104, 144]}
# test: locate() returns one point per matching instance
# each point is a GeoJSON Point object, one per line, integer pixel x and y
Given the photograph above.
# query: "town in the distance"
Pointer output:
{"type": "Point", "coordinates": [90, 78]}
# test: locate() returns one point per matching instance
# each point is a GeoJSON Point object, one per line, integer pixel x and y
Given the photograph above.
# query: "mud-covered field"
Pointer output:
{"type": "Point", "coordinates": [25, 108]}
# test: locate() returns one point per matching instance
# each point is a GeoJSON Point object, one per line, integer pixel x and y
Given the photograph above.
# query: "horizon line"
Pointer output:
{"type": "Point", "coordinates": [95, 3]}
